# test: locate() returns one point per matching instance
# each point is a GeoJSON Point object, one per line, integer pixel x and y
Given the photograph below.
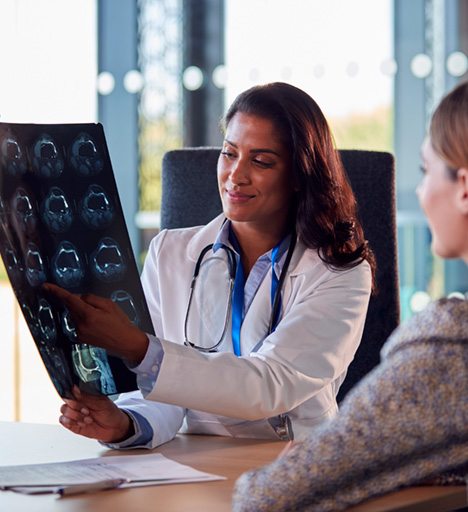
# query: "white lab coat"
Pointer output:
{"type": "Point", "coordinates": [297, 369]}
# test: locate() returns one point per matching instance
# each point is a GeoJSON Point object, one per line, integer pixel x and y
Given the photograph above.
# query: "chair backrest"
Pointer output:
{"type": "Point", "coordinates": [190, 197]}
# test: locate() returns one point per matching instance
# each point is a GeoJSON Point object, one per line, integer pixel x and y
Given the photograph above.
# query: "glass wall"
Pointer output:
{"type": "Point", "coordinates": [48, 67]}
{"type": "Point", "coordinates": [376, 68]}
{"type": "Point", "coordinates": [430, 51]}
{"type": "Point", "coordinates": [330, 49]}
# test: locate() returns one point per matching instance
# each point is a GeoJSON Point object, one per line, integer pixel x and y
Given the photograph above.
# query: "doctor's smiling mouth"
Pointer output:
{"type": "Point", "coordinates": [238, 197]}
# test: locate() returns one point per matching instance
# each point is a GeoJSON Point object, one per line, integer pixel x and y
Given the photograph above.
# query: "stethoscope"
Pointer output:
{"type": "Point", "coordinates": [232, 266]}
{"type": "Point", "coordinates": [283, 428]}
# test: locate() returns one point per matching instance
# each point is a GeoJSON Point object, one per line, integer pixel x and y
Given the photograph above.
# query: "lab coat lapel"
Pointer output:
{"type": "Point", "coordinates": [255, 325]}
{"type": "Point", "coordinates": [207, 235]}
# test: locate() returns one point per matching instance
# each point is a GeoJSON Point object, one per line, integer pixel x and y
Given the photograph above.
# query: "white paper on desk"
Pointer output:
{"type": "Point", "coordinates": [152, 468]}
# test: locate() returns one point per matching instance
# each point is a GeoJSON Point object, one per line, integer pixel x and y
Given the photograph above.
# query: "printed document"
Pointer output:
{"type": "Point", "coordinates": [136, 470]}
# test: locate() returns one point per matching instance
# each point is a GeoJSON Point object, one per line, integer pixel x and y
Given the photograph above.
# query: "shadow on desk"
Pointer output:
{"type": "Point", "coordinates": [195, 443]}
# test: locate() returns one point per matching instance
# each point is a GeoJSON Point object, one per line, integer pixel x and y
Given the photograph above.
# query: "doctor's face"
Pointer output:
{"type": "Point", "coordinates": [254, 174]}
{"type": "Point", "coordinates": [437, 195]}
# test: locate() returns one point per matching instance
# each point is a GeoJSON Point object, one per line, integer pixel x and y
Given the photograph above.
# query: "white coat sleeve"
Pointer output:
{"type": "Point", "coordinates": [313, 344]}
{"type": "Point", "coordinates": [165, 420]}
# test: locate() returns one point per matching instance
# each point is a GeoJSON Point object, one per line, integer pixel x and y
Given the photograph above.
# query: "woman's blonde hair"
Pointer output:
{"type": "Point", "coordinates": [449, 129]}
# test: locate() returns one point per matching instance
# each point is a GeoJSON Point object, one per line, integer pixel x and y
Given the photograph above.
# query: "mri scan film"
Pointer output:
{"type": "Point", "coordinates": [61, 221]}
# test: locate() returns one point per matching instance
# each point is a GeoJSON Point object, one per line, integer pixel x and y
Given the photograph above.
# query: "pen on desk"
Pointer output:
{"type": "Point", "coordinates": [103, 485]}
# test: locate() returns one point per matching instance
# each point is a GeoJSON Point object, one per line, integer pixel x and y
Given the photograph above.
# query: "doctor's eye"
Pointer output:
{"type": "Point", "coordinates": [262, 163]}
{"type": "Point", "coordinates": [228, 154]}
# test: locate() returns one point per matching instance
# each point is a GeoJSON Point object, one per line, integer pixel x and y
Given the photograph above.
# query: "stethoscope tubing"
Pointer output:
{"type": "Point", "coordinates": [232, 265]}
{"type": "Point", "coordinates": [284, 430]}
{"type": "Point", "coordinates": [276, 301]}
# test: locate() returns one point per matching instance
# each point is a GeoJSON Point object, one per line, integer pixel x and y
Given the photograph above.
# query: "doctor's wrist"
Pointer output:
{"type": "Point", "coordinates": [136, 350]}
{"type": "Point", "coordinates": [125, 429]}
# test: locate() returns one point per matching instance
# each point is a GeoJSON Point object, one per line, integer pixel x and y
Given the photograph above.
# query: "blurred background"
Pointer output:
{"type": "Point", "coordinates": [159, 74]}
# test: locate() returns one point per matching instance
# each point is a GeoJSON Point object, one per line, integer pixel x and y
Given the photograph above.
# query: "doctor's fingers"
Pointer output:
{"type": "Point", "coordinates": [72, 301]}
{"type": "Point", "coordinates": [105, 305]}
{"type": "Point", "coordinates": [76, 427]}
{"type": "Point", "coordinates": [74, 417]}
{"type": "Point", "coordinates": [72, 404]}
{"type": "Point", "coordinates": [92, 402]}
{"type": "Point", "coordinates": [81, 405]}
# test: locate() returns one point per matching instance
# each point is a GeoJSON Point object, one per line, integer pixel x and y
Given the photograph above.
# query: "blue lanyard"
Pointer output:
{"type": "Point", "coordinates": [238, 297]}
{"type": "Point", "coordinates": [274, 288]}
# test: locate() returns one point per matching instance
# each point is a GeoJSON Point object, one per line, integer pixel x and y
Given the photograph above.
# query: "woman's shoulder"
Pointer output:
{"type": "Point", "coordinates": [442, 321]}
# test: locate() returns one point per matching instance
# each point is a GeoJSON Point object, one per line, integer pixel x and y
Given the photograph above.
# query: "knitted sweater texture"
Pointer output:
{"type": "Point", "coordinates": [405, 422]}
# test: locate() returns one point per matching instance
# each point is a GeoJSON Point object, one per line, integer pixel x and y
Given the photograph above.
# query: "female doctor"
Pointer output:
{"type": "Point", "coordinates": [265, 359]}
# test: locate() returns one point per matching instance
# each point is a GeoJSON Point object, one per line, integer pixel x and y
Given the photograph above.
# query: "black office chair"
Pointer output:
{"type": "Point", "coordinates": [190, 197]}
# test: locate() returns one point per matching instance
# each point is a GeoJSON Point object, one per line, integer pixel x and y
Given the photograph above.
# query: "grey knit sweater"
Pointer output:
{"type": "Point", "coordinates": [405, 422]}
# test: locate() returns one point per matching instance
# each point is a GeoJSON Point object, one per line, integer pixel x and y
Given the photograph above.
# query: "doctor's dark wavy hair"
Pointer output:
{"type": "Point", "coordinates": [324, 206]}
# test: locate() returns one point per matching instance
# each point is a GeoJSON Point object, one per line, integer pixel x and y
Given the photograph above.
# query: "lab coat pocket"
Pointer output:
{"type": "Point", "coordinates": [258, 429]}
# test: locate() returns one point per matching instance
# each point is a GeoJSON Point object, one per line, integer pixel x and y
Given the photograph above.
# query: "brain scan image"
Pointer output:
{"type": "Point", "coordinates": [12, 157]}
{"type": "Point", "coordinates": [31, 320]}
{"type": "Point", "coordinates": [90, 363]}
{"type": "Point", "coordinates": [61, 221]}
{"type": "Point", "coordinates": [56, 211]}
{"type": "Point", "coordinates": [124, 300]}
{"type": "Point", "coordinates": [85, 157]}
{"type": "Point", "coordinates": [23, 212]}
{"type": "Point", "coordinates": [95, 209]}
{"type": "Point", "coordinates": [48, 330]}
{"type": "Point", "coordinates": [57, 366]}
{"type": "Point", "coordinates": [12, 264]}
{"type": "Point", "coordinates": [68, 327]}
{"type": "Point", "coordinates": [34, 266]}
{"type": "Point", "coordinates": [92, 366]}
{"type": "Point", "coordinates": [3, 213]}
{"type": "Point", "coordinates": [107, 262]}
{"type": "Point", "coordinates": [47, 160]}
{"type": "Point", "coordinates": [67, 266]}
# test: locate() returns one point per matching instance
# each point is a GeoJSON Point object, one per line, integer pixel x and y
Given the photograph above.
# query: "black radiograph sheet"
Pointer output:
{"type": "Point", "coordinates": [61, 221]}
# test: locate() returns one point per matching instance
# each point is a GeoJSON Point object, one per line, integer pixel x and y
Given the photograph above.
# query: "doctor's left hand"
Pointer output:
{"type": "Point", "coordinates": [100, 322]}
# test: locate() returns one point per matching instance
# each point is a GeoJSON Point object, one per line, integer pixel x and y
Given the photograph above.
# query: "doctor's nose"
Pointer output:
{"type": "Point", "coordinates": [238, 173]}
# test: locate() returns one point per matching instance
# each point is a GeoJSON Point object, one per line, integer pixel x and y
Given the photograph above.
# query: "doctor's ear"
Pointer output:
{"type": "Point", "coordinates": [462, 197]}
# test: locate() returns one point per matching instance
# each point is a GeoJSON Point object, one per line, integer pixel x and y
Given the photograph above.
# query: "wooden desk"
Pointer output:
{"type": "Point", "coordinates": [23, 443]}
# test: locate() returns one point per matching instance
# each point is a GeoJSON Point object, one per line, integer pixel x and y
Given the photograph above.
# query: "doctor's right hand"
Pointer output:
{"type": "Point", "coordinates": [96, 417]}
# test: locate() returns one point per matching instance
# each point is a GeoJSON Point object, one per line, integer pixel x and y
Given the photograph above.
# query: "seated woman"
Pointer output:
{"type": "Point", "coordinates": [407, 421]}
{"type": "Point", "coordinates": [271, 365]}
